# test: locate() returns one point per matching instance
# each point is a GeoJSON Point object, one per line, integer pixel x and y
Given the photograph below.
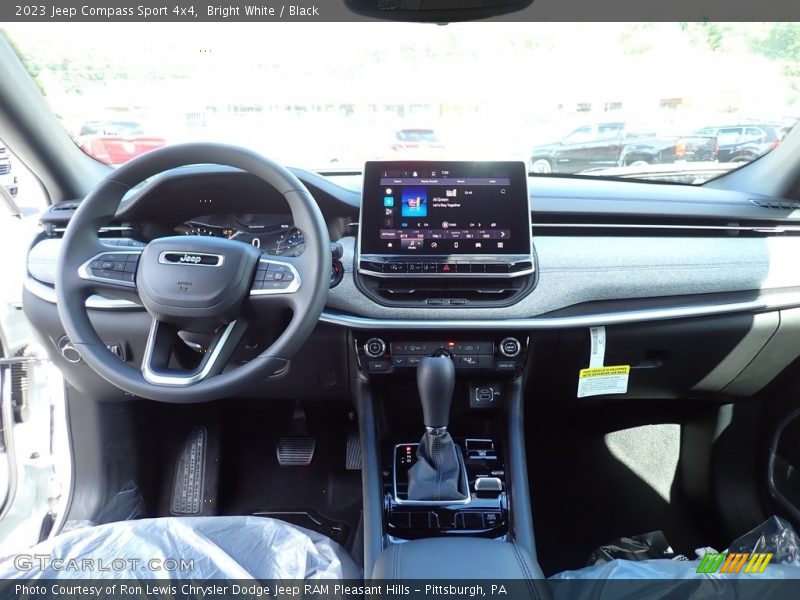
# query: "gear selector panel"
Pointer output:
{"type": "Point", "coordinates": [483, 513]}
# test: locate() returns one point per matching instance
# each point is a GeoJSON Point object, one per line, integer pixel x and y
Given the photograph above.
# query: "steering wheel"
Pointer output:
{"type": "Point", "coordinates": [188, 283]}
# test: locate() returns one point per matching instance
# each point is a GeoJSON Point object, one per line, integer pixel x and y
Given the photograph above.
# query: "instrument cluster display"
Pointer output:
{"type": "Point", "coordinates": [274, 234]}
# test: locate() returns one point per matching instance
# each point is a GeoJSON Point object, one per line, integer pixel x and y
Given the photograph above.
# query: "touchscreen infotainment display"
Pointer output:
{"type": "Point", "coordinates": [445, 208]}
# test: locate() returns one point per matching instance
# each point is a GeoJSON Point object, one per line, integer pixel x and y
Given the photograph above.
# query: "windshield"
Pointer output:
{"type": "Point", "coordinates": [666, 101]}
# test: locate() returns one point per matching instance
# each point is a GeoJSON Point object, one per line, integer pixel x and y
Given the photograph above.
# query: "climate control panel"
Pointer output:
{"type": "Point", "coordinates": [503, 354]}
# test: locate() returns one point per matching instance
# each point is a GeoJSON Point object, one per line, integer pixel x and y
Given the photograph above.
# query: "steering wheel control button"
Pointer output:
{"type": "Point", "coordinates": [510, 347]}
{"type": "Point", "coordinates": [375, 347]}
{"type": "Point", "coordinates": [111, 267]}
{"type": "Point", "coordinates": [275, 278]}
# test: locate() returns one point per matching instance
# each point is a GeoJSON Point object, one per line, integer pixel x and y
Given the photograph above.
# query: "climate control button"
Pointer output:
{"type": "Point", "coordinates": [375, 347]}
{"type": "Point", "coordinates": [510, 347]}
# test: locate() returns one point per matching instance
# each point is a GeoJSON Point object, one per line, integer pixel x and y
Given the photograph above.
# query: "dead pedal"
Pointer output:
{"type": "Point", "coordinates": [190, 474]}
{"type": "Point", "coordinates": [296, 451]}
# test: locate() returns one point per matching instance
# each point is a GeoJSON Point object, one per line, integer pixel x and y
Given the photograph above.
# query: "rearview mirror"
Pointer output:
{"type": "Point", "coordinates": [437, 11]}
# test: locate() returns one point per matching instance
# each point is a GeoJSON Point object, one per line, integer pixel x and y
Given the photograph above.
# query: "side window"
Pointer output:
{"type": "Point", "coordinates": [579, 136]}
{"type": "Point", "coordinates": [20, 186]}
{"type": "Point", "coordinates": [638, 133]}
{"type": "Point", "coordinates": [753, 133]}
{"type": "Point", "coordinates": [609, 131]}
{"type": "Point", "coordinates": [729, 135]}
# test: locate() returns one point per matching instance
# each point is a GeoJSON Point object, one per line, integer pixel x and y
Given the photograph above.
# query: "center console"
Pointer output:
{"type": "Point", "coordinates": [472, 370]}
{"type": "Point", "coordinates": [445, 234]}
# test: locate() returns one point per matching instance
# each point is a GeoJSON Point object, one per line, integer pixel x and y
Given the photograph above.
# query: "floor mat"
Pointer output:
{"type": "Point", "coordinates": [589, 488]}
{"type": "Point", "coordinates": [324, 495]}
{"type": "Point", "coordinates": [338, 531]}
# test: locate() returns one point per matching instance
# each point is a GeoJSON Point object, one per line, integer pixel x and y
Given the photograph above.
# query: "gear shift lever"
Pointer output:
{"type": "Point", "coordinates": [437, 474]}
{"type": "Point", "coordinates": [436, 380]}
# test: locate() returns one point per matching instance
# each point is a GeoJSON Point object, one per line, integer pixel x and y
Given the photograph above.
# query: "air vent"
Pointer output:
{"type": "Point", "coordinates": [447, 292]}
{"type": "Point", "coordinates": [776, 204]}
{"type": "Point", "coordinates": [63, 207]}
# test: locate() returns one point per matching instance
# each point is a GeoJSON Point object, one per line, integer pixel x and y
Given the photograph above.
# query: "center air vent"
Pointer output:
{"type": "Point", "coordinates": [777, 204]}
{"type": "Point", "coordinates": [452, 292]}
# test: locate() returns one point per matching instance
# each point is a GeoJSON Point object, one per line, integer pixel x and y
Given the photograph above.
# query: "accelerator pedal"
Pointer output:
{"type": "Point", "coordinates": [353, 456]}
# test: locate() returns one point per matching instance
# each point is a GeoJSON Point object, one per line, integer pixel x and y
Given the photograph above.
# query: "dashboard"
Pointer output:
{"type": "Point", "coordinates": [273, 234]}
{"type": "Point", "coordinates": [661, 264]}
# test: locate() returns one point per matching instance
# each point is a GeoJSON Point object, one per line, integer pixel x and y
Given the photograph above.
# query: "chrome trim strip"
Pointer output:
{"type": "Point", "coordinates": [410, 276]}
{"type": "Point", "coordinates": [48, 294]}
{"type": "Point", "coordinates": [290, 289]}
{"type": "Point", "coordinates": [101, 230]}
{"type": "Point", "coordinates": [759, 229]}
{"type": "Point", "coordinates": [152, 376]}
{"type": "Point", "coordinates": [83, 270]}
{"type": "Point", "coordinates": [163, 260]}
{"type": "Point", "coordinates": [332, 317]}
{"type": "Point", "coordinates": [397, 500]}
{"type": "Point", "coordinates": [618, 318]}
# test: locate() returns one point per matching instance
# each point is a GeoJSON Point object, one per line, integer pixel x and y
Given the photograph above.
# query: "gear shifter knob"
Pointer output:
{"type": "Point", "coordinates": [436, 379]}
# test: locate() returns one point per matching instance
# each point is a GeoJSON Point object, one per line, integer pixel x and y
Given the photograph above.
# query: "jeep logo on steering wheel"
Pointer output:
{"type": "Point", "coordinates": [196, 258]}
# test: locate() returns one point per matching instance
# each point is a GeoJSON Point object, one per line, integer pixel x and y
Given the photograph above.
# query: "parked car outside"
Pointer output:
{"type": "Point", "coordinates": [745, 141]}
{"type": "Point", "coordinates": [116, 142]}
{"type": "Point", "coordinates": [423, 143]}
{"type": "Point", "coordinates": [7, 178]}
{"type": "Point", "coordinates": [619, 144]}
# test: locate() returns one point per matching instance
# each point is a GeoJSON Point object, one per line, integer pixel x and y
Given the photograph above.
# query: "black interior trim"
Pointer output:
{"type": "Point", "coordinates": [517, 469]}
{"type": "Point", "coordinates": [370, 466]}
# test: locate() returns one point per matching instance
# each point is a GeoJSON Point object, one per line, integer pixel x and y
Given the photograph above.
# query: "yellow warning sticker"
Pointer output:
{"type": "Point", "coordinates": [597, 381]}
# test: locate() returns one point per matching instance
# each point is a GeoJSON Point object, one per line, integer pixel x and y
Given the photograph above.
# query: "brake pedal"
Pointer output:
{"type": "Point", "coordinates": [297, 448]}
{"type": "Point", "coordinates": [296, 451]}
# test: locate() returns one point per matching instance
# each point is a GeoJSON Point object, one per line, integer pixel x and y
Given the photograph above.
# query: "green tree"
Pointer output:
{"type": "Point", "coordinates": [780, 42]}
